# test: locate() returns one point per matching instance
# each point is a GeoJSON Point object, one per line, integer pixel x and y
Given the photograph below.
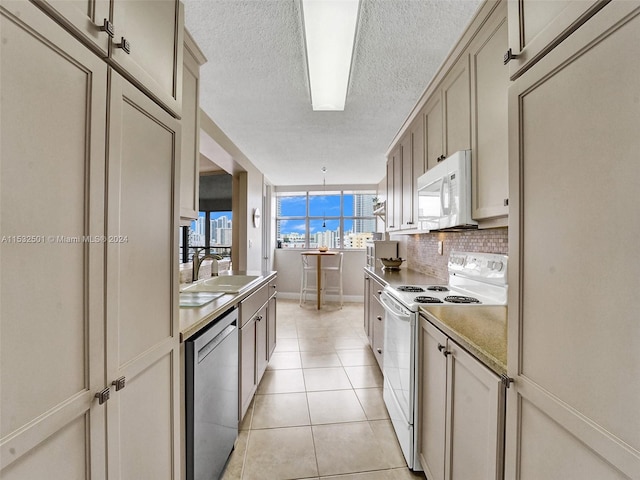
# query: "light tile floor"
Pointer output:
{"type": "Point", "coordinates": [318, 412]}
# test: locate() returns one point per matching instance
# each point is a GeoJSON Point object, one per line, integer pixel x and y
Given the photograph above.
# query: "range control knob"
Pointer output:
{"type": "Point", "coordinates": [499, 266]}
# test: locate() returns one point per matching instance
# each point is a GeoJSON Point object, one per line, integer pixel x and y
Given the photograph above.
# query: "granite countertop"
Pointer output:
{"type": "Point", "coordinates": [481, 330]}
{"type": "Point", "coordinates": [193, 319]}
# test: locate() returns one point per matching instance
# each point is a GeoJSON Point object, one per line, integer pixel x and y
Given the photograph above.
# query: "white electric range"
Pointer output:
{"type": "Point", "coordinates": [474, 279]}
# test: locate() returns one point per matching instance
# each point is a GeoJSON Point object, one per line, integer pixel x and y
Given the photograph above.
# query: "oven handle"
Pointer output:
{"type": "Point", "coordinates": [393, 307]}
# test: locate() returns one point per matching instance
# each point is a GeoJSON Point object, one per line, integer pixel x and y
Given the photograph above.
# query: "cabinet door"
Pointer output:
{"type": "Point", "coordinates": [490, 156]}
{"type": "Point", "coordinates": [377, 319]}
{"type": "Point", "coordinates": [367, 306]}
{"type": "Point", "coordinates": [432, 388]}
{"type": "Point", "coordinates": [190, 156]}
{"type": "Point", "coordinates": [475, 422]}
{"type": "Point", "coordinates": [154, 34]}
{"type": "Point", "coordinates": [142, 278]}
{"type": "Point", "coordinates": [406, 155]}
{"type": "Point", "coordinates": [272, 313]}
{"type": "Point", "coordinates": [457, 107]}
{"type": "Point", "coordinates": [433, 127]}
{"type": "Point", "coordinates": [247, 366]}
{"type": "Point", "coordinates": [537, 26]}
{"type": "Point", "coordinates": [574, 146]}
{"type": "Point", "coordinates": [391, 197]}
{"type": "Point", "coordinates": [85, 18]}
{"type": "Point", "coordinates": [397, 188]}
{"type": "Point", "coordinates": [52, 163]}
{"type": "Point", "coordinates": [262, 333]}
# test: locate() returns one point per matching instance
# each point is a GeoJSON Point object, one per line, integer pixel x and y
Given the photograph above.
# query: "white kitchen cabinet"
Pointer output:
{"type": "Point", "coordinates": [190, 156]}
{"type": "Point", "coordinates": [433, 145]}
{"type": "Point", "coordinates": [538, 26]}
{"type": "Point", "coordinates": [272, 321]}
{"type": "Point", "coordinates": [52, 189]}
{"type": "Point", "coordinates": [88, 20]}
{"type": "Point", "coordinates": [374, 322]}
{"type": "Point", "coordinates": [254, 342]}
{"type": "Point", "coordinates": [394, 190]}
{"type": "Point", "coordinates": [412, 154]}
{"type": "Point", "coordinates": [143, 428]}
{"type": "Point", "coordinates": [146, 46]}
{"type": "Point", "coordinates": [489, 138]}
{"type": "Point", "coordinates": [105, 306]}
{"type": "Point", "coordinates": [461, 418]}
{"type": "Point", "coordinates": [456, 103]}
{"type": "Point", "coordinates": [574, 228]}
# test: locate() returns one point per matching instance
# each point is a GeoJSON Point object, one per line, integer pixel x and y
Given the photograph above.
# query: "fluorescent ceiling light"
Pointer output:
{"type": "Point", "coordinates": [329, 30]}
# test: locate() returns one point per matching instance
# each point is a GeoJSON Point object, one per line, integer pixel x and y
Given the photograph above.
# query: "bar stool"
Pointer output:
{"type": "Point", "coordinates": [308, 277]}
{"type": "Point", "coordinates": [333, 269]}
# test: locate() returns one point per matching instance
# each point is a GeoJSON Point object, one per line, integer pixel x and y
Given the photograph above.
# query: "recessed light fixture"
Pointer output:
{"type": "Point", "coordinates": [329, 31]}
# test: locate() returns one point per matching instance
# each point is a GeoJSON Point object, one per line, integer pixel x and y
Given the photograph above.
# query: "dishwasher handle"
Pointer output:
{"type": "Point", "coordinates": [394, 308]}
{"type": "Point", "coordinates": [214, 342]}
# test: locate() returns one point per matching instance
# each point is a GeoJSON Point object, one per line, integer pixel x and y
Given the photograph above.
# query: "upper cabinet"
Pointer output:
{"type": "Point", "coordinates": [489, 140]}
{"type": "Point", "coordinates": [144, 44]}
{"type": "Point", "coordinates": [190, 158]}
{"type": "Point", "coordinates": [432, 117]}
{"type": "Point", "coordinates": [464, 108]}
{"type": "Point", "coordinates": [457, 108]}
{"type": "Point", "coordinates": [537, 26]}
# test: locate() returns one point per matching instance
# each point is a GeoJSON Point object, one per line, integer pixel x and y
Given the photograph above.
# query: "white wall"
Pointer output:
{"type": "Point", "coordinates": [288, 264]}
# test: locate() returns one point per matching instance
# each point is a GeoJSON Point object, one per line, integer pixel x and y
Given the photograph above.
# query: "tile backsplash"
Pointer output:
{"type": "Point", "coordinates": [422, 250]}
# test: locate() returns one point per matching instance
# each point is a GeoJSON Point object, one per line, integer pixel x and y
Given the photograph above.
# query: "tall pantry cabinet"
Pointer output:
{"type": "Point", "coordinates": [572, 411]}
{"type": "Point", "coordinates": [89, 335]}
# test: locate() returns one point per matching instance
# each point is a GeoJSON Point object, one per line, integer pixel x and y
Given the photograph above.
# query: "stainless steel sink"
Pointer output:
{"type": "Point", "coordinates": [224, 283]}
{"type": "Point", "coordinates": [198, 299]}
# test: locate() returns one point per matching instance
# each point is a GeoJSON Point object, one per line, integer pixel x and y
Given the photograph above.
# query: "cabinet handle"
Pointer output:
{"type": "Point", "coordinates": [102, 395]}
{"type": "Point", "coordinates": [379, 317]}
{"type": "Point", "coordinates": [509, 56]}
{"type": "Point", "coordinates": [119, 383]}
{"type": "Point", "coordinates": [107, 27]}
{"type": "Point", "coordinates": [379, 350]}
{"type": "Point", "coordinates": [506, 202]}
{"type": "Point", "coordinates": [124, 45]}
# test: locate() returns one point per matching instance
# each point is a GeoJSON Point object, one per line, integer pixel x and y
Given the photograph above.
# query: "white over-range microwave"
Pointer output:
{"type": "Point", "coordinates": [444, 194]}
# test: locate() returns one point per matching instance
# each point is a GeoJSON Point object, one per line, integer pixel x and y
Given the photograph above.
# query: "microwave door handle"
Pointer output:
{"type": "Point", "coordinates": [443, 209]}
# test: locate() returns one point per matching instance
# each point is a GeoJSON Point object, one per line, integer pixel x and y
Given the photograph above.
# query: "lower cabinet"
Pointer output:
{"type": "Point", "coordinates": [257, 341]}
{"type": "Point", "coordinates": [374, 316]}
{"type": "Point", "coordinates": [461, 413]}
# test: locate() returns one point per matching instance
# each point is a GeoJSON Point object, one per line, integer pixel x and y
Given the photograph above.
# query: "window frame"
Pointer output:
{"type": "Point", "coordinates": [309, 219]}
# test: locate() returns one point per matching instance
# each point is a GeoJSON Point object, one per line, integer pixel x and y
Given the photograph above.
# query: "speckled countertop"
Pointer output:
{"type": "Point", "coordinates": [193, 319]}
{"type": "Point", "coordinates": [481, 330]}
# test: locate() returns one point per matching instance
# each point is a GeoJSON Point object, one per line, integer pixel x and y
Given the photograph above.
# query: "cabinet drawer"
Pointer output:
{"type": "Point", "coordinates": [250, 305]}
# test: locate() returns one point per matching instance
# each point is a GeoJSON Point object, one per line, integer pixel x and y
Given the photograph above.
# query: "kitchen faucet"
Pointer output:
{"type": "Point", "coordinates": [197, 262]}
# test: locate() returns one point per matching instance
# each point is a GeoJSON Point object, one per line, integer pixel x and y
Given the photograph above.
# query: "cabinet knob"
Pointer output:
{"type": "Point", "coordinates": [119, 383]}
{"type": "Point", "coordinates": [259, 318]}
{"type": "Point", "coordinates": [379, 317]}
{"type": "Point", "coordinates": [440, 158]}
{"type": "Point", "coordinates": [124, 45]}
{"type": "Point", "coordinates": [506, 202]}
{"type": "Point", "coordinates": [103, 395]}
{"type": "Point", "coordinates": [379, 350]}
{"type": "Point", "coordinates": [440, 347]}
{"type": "Point", "coordinates": [509, 56]}
{"type": "Point", "coordinates": [107, 27]}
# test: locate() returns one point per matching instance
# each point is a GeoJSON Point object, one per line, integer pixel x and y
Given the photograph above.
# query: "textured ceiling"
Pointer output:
{"type": "Point", "coordinates": [255, 85]}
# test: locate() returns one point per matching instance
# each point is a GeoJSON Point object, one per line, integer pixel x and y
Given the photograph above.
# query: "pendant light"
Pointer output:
{"type": "Point", "coordinates": [324, 191]}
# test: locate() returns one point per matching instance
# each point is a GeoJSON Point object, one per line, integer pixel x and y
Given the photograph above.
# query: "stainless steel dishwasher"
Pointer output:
{"type": "Point", "coordinates": [212, 397]}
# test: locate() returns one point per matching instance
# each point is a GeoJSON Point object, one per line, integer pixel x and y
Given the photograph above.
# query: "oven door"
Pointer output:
{"type": "Point", "coordinates": [399, 373]}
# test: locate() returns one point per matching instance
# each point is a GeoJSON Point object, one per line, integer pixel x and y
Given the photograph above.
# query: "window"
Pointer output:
{"type": "Point", "coordinates": [336, 219]}
{"type": "Point", "coordinates": [212, 231]}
